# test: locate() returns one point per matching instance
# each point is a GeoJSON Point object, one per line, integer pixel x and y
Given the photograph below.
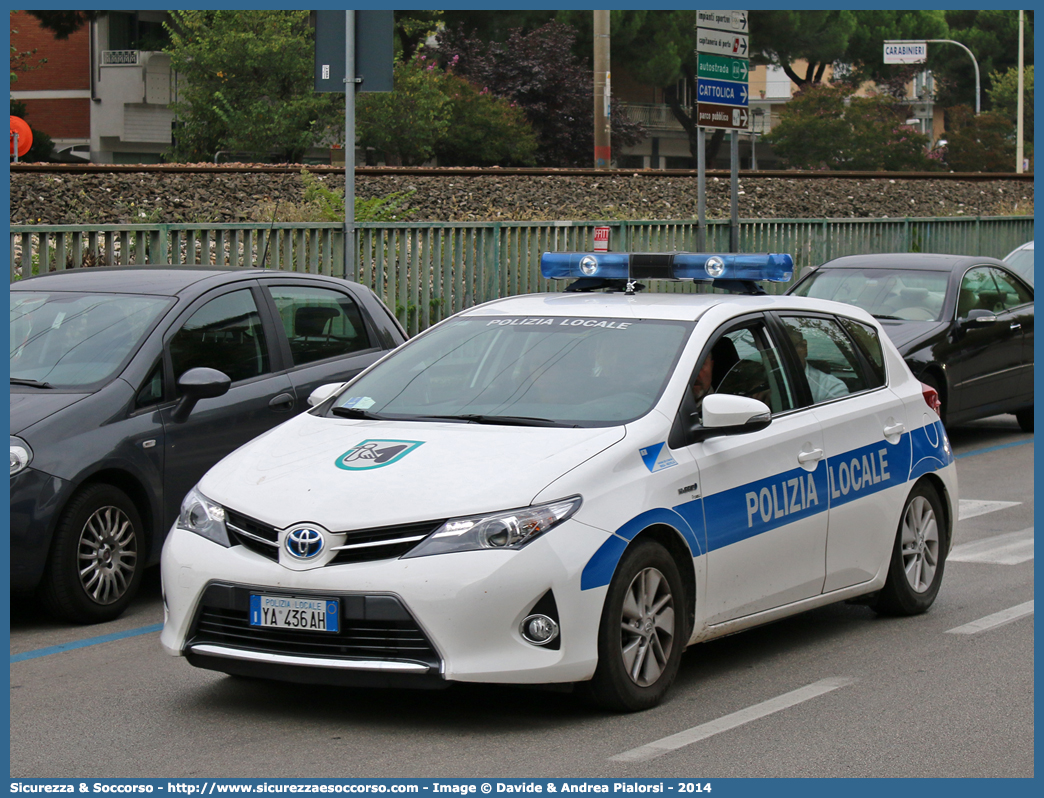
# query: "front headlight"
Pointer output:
{"type": "Point", "coordinates": [21, 455]}
{"type": "Point", "coordinates": [200, 515]}
{"type": "Point", "coordinates": [508, 530]}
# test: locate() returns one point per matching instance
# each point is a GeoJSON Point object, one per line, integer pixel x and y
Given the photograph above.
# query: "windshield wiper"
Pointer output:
{"type": "Point", "coordinates": [355, 412]}
{"type": "Point", "coordinates": [507, 421]}
{"type": "Point", "coordinates": [31, 383]}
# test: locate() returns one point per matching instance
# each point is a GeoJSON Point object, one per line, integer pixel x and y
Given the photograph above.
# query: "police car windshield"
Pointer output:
{"type": "Point", "coordinates": [537, 371]}
{"type": "Point", "coordinates": [884, 293]}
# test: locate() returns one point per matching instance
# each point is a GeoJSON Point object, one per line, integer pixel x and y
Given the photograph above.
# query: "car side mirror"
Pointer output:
{"type": "Point", "coordinates": [981, 316]}
{"type": "Point", "coordinates": [324, 392]}
{"type": "Point", "coordinates": [196, 384]}
{"type": "Point", "coordinates": [728, 414]}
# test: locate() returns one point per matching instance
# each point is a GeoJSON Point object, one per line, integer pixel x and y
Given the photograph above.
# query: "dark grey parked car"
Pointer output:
{"type": "Point", "coordinates": [964, 324]}
{"type": "Point", "coordinates": [127, 384]}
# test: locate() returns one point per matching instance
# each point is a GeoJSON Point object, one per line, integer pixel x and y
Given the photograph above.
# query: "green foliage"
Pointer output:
{"type": "Point", "coordinates": [983, 143]}
{"type": "Point", "coordinates": [246, 85]}
{"type": "Point", "coordinates": [993, 36]}
{"type": "Point", "coordinates": [433, 113]}
{"type": "Point", "coordinates": [321, 203]}
{"type": "Point", "coordinates": [824, 127]}
{"type": "Point", "coordinates": [1004, 97]}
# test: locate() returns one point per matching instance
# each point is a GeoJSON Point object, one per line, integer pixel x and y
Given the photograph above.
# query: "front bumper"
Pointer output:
{"type": "Point", "coordinates": [35, 499]}
{"type": "Point", "coordinates": [421, 621]}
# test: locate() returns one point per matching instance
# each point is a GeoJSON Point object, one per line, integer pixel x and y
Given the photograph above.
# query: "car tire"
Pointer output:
{"type": "Point", "coordinates": [97, 557]}
{"type": "Point", "coordinates": [918, 558]}
{"type": "Point", "coordinates": [642, 634]}
{"type": "Point", "coordinates": [1025, 419]}
{"type": "Point", "coordinates": [934, 382]}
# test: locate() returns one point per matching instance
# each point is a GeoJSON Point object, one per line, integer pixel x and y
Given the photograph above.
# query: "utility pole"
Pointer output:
{"type": "Point", "coordinates": [1019, 152]}
{"type": "Point", "coordinates": [602, 145]}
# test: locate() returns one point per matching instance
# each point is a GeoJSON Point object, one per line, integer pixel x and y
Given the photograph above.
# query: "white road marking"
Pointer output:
{"type": "Point", "coordinates": [1008, 549]}
{"type": "Point", "coordinates": [995, 620]}
{"type": "Point", "coordinates": [969, 508]}
{"type": "Point", "coordinates": [702, 732]}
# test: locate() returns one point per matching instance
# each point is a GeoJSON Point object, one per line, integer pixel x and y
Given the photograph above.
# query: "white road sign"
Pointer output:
{"type": "Point", "coordinates": [734, 21]}
{"type": "Point", "coordinates": [719, 42]}
{"type": "Point", "coordinates": [905, 52]}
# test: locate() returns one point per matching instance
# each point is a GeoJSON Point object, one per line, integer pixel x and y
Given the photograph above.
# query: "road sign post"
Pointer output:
{"type": "Point", "coordinates": [722, 95]}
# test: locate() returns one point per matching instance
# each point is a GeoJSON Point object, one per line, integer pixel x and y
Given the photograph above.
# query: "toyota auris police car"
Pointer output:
{"type": "Point", "coordinates": [572, 488]}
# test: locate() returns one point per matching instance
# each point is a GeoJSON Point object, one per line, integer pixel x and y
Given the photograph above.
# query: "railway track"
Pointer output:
{"type": "Point", "coordinates": [652, 174]}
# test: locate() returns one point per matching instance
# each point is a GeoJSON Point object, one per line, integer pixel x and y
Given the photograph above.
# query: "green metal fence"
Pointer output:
{"type": "Point", "coordinates": [427, 271]}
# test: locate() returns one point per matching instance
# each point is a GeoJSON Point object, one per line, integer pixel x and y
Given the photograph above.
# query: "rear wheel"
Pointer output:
{"type": "Point", "coordinates": [97, 557]}
{"type": "Point", "coordinates": [1025, 419]}
{"type": "Point", "coordinates": [918, 556]}
{"type": "Point", "coordinates": [643, 631]}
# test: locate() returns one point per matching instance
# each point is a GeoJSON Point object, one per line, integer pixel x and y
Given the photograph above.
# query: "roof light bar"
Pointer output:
{"type": "Point", "coordinates": [774, 267]}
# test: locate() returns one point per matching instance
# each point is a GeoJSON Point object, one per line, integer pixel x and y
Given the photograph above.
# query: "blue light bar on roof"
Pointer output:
{"type": "Point", "coordinates": [777, 268]}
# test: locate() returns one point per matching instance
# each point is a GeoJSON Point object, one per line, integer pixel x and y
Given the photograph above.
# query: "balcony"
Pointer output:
{"type": "Point", "coordinates": [652, 116]}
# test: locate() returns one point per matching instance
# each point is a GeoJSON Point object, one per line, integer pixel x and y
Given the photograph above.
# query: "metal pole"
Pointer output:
{"type": "Point", "coordinates": [1019, 152]}
{"type": "Point", "coordinates": [602, 141]}
{"type": "Point", "coordinates": [734, 182]}
{"type": "Point", "coordinates": [349, 144]}
{"type": "Point", "coordinates": [15, 134]}
{"type": "Point", "coordinates": [701, 192]}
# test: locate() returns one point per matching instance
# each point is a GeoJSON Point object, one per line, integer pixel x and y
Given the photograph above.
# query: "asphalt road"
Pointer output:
{"type": "Point", "coordinates": [836, 692]}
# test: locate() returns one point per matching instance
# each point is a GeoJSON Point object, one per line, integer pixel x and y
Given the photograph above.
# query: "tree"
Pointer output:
{"type": "Point", "coordinates": [993, 37]}
{"type": "Point", "coordinates": [539, 73]}
{"type": "Point", "coordinates": [246, 84]}
{"type": "Point", "coordinates": [826, 127]}
{"type": "Point", "coordinates": [434, 113]}
{"type": "Point", "coordinates": [1004, 97]}
{"type": "Point", "coordinates": [65, 23]}
{"type": "Point", "coordinates": [983, 143]}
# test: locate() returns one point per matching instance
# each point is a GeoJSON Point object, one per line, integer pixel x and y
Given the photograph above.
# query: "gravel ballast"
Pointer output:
{"type": "Point", "coordinates": [227, 196]}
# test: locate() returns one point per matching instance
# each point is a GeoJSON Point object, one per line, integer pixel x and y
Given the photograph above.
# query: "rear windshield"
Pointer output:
{"type": "Point", "coordinates": [72, 340]}
{"type": "Point", "coordinates": [539, 370]}
{"type": "Point", "coordinates": [884, 293]}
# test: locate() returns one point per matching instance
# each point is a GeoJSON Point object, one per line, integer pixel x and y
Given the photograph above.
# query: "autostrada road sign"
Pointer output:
{"type": "Point", "coordinates": [721, 68]}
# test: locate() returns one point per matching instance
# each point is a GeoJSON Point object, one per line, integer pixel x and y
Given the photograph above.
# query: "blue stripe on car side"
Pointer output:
{"type": "Point", "coordinates": [748, 510]}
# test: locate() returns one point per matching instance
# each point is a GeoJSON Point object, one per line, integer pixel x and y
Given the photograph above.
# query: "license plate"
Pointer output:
{"type": "Point", "coordinates": [294, 612]}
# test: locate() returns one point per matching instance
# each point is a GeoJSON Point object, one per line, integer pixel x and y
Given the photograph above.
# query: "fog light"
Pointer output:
{"type": "Point", "coordinates": [715, 267]}
{"type": "Point", "coordinates": [539, 630]}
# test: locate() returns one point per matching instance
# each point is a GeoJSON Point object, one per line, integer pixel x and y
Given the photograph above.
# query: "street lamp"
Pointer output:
{"type": "Point", "coordinates": [941, 41]}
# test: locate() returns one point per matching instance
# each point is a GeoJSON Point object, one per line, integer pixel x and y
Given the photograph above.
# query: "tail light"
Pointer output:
{"type": "Point", "coordinates": [931, 398]}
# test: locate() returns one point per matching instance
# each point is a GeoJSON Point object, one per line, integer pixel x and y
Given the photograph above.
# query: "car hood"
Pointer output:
{"type": "Point", "coordinates": [907, 334]}
{"type": "Point", "coordinates": [37, 404]}
{"type": "Point", "coordinates": [349, 474]}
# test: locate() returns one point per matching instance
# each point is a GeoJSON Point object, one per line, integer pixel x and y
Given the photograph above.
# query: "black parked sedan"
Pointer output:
{"type": "Point", "coordinates": [963, 324]}
{"type": "Point", "coordinates": [127, 384]}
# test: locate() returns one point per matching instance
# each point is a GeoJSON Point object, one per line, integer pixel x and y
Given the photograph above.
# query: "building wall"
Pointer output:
{"type": "Point", "coordinates": [57, 93]}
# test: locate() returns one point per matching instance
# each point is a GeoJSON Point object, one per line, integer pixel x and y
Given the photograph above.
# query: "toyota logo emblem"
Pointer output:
{"type": "Point", "coordinates": [304, 544]}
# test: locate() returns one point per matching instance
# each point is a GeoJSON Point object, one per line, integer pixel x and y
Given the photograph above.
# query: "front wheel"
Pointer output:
{"type": "Point", "coordinates": [643, 631]}
{"type": "Point", "coordinates": [97, 557]}
{"type": "Point", "coordinates": [918, 556]}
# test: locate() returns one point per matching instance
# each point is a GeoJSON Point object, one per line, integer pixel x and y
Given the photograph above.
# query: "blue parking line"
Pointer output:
{"type": "Point", "coordinates": [991, 449]}
{"type": "Point", "coordinates": [90, 641]}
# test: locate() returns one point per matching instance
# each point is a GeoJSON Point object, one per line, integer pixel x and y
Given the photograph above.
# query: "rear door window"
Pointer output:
{"type": "Point", "coordinates": [319, 323]}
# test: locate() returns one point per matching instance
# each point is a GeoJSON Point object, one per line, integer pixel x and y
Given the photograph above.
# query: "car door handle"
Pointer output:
{"type": "Point", "coordinates": [1016, 326]}
{"type": "Point", "coordinates": [808, 457]}
{"type": "Point", "coordinates": [284, 401]}
{"type": "Point", "coordinates": [895, 429]}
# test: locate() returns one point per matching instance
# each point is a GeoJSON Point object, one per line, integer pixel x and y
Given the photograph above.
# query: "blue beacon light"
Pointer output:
{"type": "Point", "coordinates": [773, 267]}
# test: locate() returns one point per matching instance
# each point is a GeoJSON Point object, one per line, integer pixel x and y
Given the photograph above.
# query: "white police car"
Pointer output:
{"type": "Point", "coordinates": [572, 487]}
